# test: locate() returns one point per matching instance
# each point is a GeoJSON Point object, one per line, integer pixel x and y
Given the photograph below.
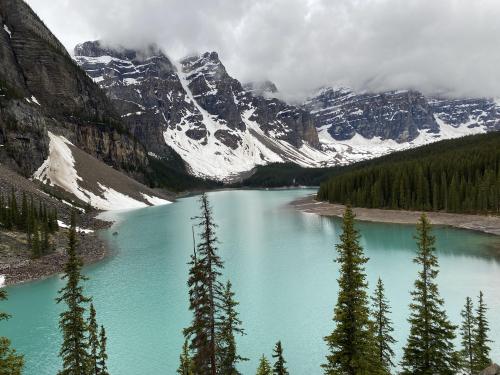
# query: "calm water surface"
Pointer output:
{"type": "Point", "coordinates": [280, 263]}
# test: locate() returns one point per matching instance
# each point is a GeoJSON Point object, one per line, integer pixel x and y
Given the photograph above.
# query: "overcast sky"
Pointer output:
{"type": "Point", "coordinates": [446, 46]}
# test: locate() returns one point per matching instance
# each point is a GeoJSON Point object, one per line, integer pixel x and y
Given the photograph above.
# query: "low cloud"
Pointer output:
{"type": "Point", "coordinates": [448, 47]}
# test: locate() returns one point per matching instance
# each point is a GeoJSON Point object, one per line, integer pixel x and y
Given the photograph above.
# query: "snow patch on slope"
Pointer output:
{"type": "Point", "coordinates": [59, 170]}
{"type": "Point", "coordinates": [7, 30]}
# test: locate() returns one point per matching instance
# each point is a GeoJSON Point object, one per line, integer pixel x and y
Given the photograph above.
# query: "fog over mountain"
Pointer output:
{"type": "Point", "coordinates": [446, 46]}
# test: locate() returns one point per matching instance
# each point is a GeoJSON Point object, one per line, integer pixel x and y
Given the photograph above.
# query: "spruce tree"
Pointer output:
{"type": "Point", "coordinates": [11, 363]}
{"type": "Point", "coordinates": [264, 367]}
{"type": "Point", "coordinates": [352, 343]}
{"type": "Point", "coordinates": [467, 331]}
{"type": "Point", "coordinates": [429, 349]}
{"type": "Point", "coordinates": [103, 355]}
{"type": "Point", "coordinates": [383, 328]}
{"type": "Point", "coordinates": [74, 348]}
{"type": "Point", "coordinates": [185, 362]}
{"type": "Point", "coordinates": [204, 293]}
{"type": "Point", "coordinates": [279, 367]}
{"type": "Point", "coordinates": [481, 348]}
{"type": "Point", "coordinates": [228, 324]}
{"type": "Point", "coordinates": [93, 342]}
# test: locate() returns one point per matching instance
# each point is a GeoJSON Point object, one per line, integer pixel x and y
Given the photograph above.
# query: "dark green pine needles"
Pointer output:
{"type": "Point", "coordinates": [429, 349]}
{"type": "Point", "coordinates": [383, 328]}
{"type": "Point", "coordinates": [279, 367]}
{"type": "Point", "coordinates": [467, 331]}
{"type": "Point", "coordinates": [228, 324]}
{"type": "Point", "coordinates": [352, 343]}
{"type": "Point", "coordinates": [74, 348]}
{"type": "Point", "coordinates": [481, 349]}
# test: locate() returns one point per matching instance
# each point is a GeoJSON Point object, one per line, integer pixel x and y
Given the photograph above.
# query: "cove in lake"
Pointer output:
{"type": "Point", "coordinates": [280, 262]}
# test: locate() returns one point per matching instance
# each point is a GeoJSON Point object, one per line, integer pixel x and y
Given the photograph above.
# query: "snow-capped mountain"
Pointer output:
{"type": "Point", "coordinates": [222, 129]}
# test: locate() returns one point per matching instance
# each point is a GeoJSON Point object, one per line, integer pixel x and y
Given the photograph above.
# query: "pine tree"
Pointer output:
{"type": "Point", "coordinates": [264, 367]}
{"type": "Point", "coordinates": [74, 348]}
{"type": "Point", "coordinates": [103, 356]}
{"type": "Point", "coordinates": [467, 330]}
{"type": "Point", "coordinates": [481, 348]}
{"type": "Point", "coordinates": [228, 324]}
{"type": "Point", "coordinates": [11, 363]}
{"type": "Point", "coordinates": [185, 362]}
{"type": "Point", "coordinates": [429, 349]}
{"type": "Point", "coordinates": [279, 364]}
{"type": "Point", "coordinates": [352, 343]}
{"type": "Point", "coordinates": [93, 342]}
{"type": "Point", "coordinates": [383, 328]}
{"type": "Point", "coordinates": [204, 293]}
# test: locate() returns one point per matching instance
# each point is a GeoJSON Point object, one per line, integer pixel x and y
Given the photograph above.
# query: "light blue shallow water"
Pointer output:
{"type": "Point", "coordinates": [280, 263]}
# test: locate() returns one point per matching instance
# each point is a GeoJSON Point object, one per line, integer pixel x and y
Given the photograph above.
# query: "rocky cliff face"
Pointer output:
{"type": "Point", "coordinates": [42, 88]}
{"type": "Point", "coordinates": [398, 115]}
{"type": "Point", "coordinates": [196, 109]}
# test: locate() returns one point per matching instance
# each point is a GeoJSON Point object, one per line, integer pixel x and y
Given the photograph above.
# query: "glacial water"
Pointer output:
{"type": "Point", "coordinates": [280, 262]}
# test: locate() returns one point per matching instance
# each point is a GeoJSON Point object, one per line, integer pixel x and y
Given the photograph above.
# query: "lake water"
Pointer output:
{"type": "Point", "coordinates": [280, 262]}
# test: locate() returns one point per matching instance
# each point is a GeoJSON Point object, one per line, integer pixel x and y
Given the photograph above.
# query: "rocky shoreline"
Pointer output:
{"type": "Point", "coordinates": [485, 224]}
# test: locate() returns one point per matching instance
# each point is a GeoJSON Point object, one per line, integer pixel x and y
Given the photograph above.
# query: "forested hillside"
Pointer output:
{"type": "Point", "coordinates": [461, 175]}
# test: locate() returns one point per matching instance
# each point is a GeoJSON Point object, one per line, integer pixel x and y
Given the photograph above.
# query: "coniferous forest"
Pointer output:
{"type": "Point", "coordinates": [461, 176]}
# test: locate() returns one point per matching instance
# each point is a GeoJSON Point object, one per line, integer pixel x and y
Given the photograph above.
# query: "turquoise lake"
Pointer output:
{"type": "Point", "coordinates": [280, 262]}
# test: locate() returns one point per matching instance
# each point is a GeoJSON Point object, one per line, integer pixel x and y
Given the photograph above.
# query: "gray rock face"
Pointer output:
{"type": "Point", "coordinates": [42, 88]}
{"type": "Point", "coordinates": [153, 95]}
{"type": "Point", "coordinates": [396, 115]}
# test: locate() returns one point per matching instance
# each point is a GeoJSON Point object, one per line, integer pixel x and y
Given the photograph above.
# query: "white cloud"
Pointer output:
{"type": "Point", "coordinates": [448, 46]}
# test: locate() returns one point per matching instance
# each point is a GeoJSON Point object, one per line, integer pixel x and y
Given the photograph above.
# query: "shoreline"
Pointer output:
{"type": "Point", "coordinates": [478, 223]}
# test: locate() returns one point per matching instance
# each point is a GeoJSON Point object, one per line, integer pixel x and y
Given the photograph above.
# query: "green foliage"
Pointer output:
{"type": "Point", "coordinates": [185, 361]}
{"type": "Point", "coordinates": [264, 367]}
{"type": "Point", "coordinates": [103, 356]}
{"type": "Point", "coordinates": [352, 343]}
{"type": "Point", "coordinates": [480, 348]}
{"type": "Point", "coordinates": [93, 342]}
{"type": "Point", "coordinates": [205, 292]}
{"type": "Point", "coordinates": [466, 331]}
{"type": "Point", "coordinates": [11, 363]}
{"type": "Point", "coordinates": [279, 367]}
{"type": "Point", "coordinates": [383, 328]}
{"type": "Point", "coordinates": [429, 349]}
{"type": "Point", "coordinates": [461, 175]}
{"type": "Point", "coordinates": [75, 346]}
{"type": "Point", "coordinates": [286, 174]}
{"type": "Point", "coordinates": [38, 222]}
{"type": "Point", "coordinates": [228, 324]}
{"type": "Point", "coordinates": [172, 175]}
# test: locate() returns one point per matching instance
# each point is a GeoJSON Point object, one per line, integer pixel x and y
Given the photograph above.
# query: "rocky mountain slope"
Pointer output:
{"type": "Point", "coordinates": [43, 90]}
{"type": "Point", "coordinates": [197, 109]}
{"type": "Point", "coordinates": [222, 128]}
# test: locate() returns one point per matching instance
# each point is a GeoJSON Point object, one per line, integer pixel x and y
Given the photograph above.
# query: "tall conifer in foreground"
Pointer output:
{"type": "Point", "coordinates": [467, 331]}
{"type": "Point", "coordinates": [185, 363]}
{"type": "Point", "coordinates": [279, 364]}
{"type": "Point", "coordinates": [481, 348]}
{"type": "Point", "coordinates": [383, 328]}
{"type": "Point", "coordinates": [74, 348]}
{"type": "Point", "coordinates": [204, 293]}
{"type": "Point", "coordinates": [93, 342]}
{"type": "Point", "coordinates": [228, 324]}
{"type": "Point", "coordinates": [352, 342]}
{"type": "Point", "coordinates": [429, 349]}
{"type": "Point", "coordinates": [264, 367]}
{"type": "Point", "coordinates": [103, 355]}
{"type": "Point", "coordinates": [11, 363]}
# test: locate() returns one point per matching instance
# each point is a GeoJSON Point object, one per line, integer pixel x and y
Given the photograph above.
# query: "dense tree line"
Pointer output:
{"type": "Point", "coordinates": [455, 176]}
{"type": "Point", "coordinates": [36, 220]}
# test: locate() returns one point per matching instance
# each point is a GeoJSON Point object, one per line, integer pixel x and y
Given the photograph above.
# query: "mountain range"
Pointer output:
{"type": "Point", "coordinates": [177, 125]}
{"type": "Point", "coordinates": [223, 128]}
